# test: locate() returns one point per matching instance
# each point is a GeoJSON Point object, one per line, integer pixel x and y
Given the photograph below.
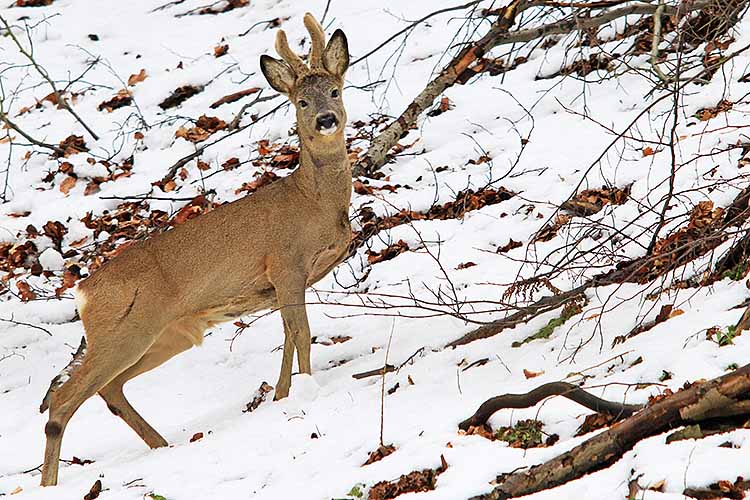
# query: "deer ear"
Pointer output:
{"type": "Point", "coordinates": [278, 73]}
{"type": "Point", "coordinates": [336, 55]}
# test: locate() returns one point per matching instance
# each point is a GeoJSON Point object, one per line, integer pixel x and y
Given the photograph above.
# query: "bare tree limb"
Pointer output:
{"type": "Point", "coordinates": [564, 389]}
{"type": "Point", "coordinates": [56, 149]}
{"type": "Point", "coordinates": [721, 396]}
{"type": "Point", "coordinates": [498, 35]}
{"type": "Point", "coordinates": [62, 101]}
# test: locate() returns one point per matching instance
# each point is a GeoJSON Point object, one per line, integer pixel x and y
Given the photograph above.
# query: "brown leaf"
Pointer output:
{"type": "Point", "coordinates": [137, 78]}
{"type": "Point", "coordinates": [25, 291]}
{"type": "Point", "coordinates": [258, 398]}
{"type": "Point", "coordinates": [413, 482]}
{"type": "Point", "coordinates": [91, 188]}
{"type": "Point", "coordinates": [231, 163]}
{"type": "Point", "coordinates": [180, 95]}
{"type": "Point", "coordinates": [265, 178]}
{"type": "Point", "coordinates": [594, 422]}
{"type": "Point", "coordinates": [466, 265]}
{"type": "Point", "coordinates": [221, 50]}
{"type": "Point", "coordinates": [73, 144]}
{"type": "Point", "coordinates": [509, 246]}
{"type": "Point", "coordinates": [67, 184]}
{"type": "Point", "coordinates": [196, 437]}
{"type": "Point", "coordinates": [387, 253]}
{"type": "Point", "coordinates": [529, 374]}
{"type": "Point", "coordinates": [123, 98]}
{"type": "Point", "coordinates": [379, 454]}
{"type": "Point", "coordinates": [361, 188]}
{"type": "Point", "coordinates": [55, 231]}
{"type": "Point", "coordinates": [95, 490]}
{"type": "Point", "coordinates": [648, 151]}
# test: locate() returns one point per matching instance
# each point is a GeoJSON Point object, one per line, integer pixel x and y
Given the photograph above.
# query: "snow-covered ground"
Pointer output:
{"type": "Point", "coordinates": [313, 444]}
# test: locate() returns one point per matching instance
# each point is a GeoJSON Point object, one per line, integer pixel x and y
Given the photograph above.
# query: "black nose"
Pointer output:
{"type": "Point", "coordinates": [325, 121]}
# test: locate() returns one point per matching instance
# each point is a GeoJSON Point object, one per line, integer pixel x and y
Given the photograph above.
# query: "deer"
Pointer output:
{"type": "Point", "coordinates": [157, 297]}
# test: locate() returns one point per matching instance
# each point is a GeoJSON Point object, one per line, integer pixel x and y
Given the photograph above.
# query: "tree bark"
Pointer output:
{"type": "Point", "coordinates": [498, 35]}
{"type": "Point", "coordinates": [715, 398]}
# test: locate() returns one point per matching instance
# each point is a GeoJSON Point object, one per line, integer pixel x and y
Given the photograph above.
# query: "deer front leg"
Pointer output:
{"type": "Point", "coordinates": [296, 335]}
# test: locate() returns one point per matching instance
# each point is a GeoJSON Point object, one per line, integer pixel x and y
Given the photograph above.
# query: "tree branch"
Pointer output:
{"type": "Point", "coordinates": [498, 35]}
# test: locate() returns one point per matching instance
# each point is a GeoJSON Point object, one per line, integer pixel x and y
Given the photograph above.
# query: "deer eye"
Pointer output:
{"type": "Point", "coordinates": [335, 93]}
{"type": "Point", "coordinates": [302, 103]}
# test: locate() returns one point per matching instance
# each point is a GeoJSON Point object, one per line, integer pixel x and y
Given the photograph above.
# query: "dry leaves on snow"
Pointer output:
{"type": "Point", "coordinates": [276, 155]}
{"type": "Point", "coordinates": [204, 127]}
{"type": "Point", "coordinates": [121, 99]}
{"type": "Point", "coordinates": [137, 78]}
{"type": "Point", "coordinates": [466, 201]}
{"type": "Point", "coordinates": [71, 145]}
{"type": "Point", "coordinates": [591, 201]}
{"type": "Point", "coordinates": [261, 180]}
{"type": "Point", "coordinates": [388, 253]}
{"type": "Point", "coordinates": [413, 482]}
{"type": "Point", "coordinates": [379, 454]}
{"type": "Point", "coordinates": [180, 95]}
{"type": "Point", "coordinates": [706, 114]}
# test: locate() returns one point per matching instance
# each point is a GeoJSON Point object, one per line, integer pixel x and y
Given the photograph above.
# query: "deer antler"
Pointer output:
{"type": "Point", "coordinates": [318, 39]}
{"type": "Point", "coordinates": [292, 59]}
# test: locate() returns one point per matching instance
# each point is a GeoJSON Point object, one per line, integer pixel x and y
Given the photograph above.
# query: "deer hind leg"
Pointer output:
{"type": "Point", "coordinates": [112, 349]}
{"type": "Point", "coordinates": [166, 347]}
{"type": "Point", "coordinates": [291, 300]}
{"type": "Point", "coordinates": [96, 369]}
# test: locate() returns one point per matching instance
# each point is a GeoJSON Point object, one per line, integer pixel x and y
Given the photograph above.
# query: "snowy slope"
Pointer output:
{"type": "Point", "coordinates": [312, 445]}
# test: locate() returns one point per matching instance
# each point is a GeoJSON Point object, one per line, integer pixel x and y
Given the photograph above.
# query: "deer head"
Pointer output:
{"type": "Point", "coordinates": [314, 88]}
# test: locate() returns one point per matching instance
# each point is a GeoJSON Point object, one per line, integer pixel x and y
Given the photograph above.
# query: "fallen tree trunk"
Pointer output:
{"type": "Point", "coordinates": [717, 398]}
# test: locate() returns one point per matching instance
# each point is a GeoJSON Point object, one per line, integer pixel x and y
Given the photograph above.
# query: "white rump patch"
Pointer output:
{"type": "Point", "coordinates": [81, 300]}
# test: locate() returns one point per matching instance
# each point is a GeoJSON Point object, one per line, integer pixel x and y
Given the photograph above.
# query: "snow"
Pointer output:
{"type": "Point", "coordinates": [271, 453]}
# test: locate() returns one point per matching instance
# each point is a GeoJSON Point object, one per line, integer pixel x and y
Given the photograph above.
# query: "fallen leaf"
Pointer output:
{"type": "Point", "coordinates": [196, 437]}
{"type": "Point", "coordinates": [67, 184]}
{"type": "Point", "coordinates": [529, 374]}
{"type": "Point", "coordinates": [137, 78]}
{"type": "Point", "coordinates": [95, 490]}
{"type": "Point", "coordinates": [379, 454]}
{"type": "Point", "coordinates": [221, 50]}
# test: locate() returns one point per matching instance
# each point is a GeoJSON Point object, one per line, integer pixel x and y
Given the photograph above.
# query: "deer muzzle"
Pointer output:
{"type": "Point", "coordinates": [326, 123]}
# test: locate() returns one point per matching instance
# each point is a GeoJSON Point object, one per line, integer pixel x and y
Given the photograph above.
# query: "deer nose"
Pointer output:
{"type": "Point", "coordinates": [326, 123]}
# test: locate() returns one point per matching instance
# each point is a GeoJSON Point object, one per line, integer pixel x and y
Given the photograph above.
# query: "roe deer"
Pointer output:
{"type": "Point", "coordinates": [157, 297]}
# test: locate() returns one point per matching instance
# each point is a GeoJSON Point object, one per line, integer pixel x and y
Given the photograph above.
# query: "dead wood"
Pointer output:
{"type": "Point", "coordinates": [701, 401]}
{"type": "Point", "coordinates": [704, 233]}
{"type": "Point", "coordinates": [499, 34]}
{"type": "Point", "coordinates": [564, 389]}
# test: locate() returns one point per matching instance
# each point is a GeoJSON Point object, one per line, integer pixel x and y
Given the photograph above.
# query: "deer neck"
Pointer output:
{"type": "Point", "coordinates": [325, 173]}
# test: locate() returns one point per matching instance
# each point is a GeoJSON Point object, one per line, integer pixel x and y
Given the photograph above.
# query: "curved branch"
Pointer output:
{"type": "Point", "coordinates": [564, 389]}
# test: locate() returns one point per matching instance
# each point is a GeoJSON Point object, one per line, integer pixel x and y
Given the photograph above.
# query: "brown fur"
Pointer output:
{"type": "Point", "coordinates": [157, 298]}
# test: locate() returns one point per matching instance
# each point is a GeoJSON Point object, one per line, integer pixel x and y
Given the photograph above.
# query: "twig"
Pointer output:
{"type": "Point", "coordinates": [62, 101]}
{"type": "Point", "coordinates": [52, 147]}
{"type": "Point", "coordinates": [21, 323]}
